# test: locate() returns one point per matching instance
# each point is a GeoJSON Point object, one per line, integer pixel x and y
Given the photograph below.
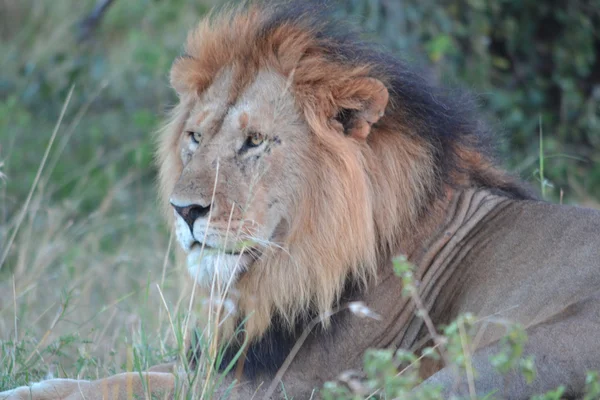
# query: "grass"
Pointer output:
{"type": "Point", "coordinates": [88, 280]}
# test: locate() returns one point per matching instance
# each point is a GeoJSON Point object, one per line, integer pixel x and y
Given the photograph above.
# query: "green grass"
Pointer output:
{"type": "Point", "coordinates": [79, 285]}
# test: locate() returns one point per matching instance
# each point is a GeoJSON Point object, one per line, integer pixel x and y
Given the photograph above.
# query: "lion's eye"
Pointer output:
{"type": "Point", "coordinates": [195, 136]}
{"type": "Point", "coordinates": [254, 139]}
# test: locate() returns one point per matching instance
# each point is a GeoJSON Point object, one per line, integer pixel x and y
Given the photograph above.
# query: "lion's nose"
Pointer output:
{"type": "Point", "coordinates": [191, 213]}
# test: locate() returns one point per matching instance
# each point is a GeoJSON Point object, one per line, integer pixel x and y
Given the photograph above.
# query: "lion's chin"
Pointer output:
{"type": "Point", "coordinates": [208, 264]}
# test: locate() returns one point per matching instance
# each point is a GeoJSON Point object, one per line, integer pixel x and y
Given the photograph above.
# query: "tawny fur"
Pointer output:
{"type": "Point", "coordinates": [366, 180]}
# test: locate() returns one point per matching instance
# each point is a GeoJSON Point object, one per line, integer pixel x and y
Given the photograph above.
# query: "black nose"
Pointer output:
{"type": "Point", "coordinates": [191, 213]}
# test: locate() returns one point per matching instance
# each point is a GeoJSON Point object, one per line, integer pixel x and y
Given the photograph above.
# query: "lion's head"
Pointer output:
{"type": "Point", "coordinates": [298, 157]}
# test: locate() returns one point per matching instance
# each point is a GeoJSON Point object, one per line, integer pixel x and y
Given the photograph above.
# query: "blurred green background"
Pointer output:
{"type": "Point", "coordinates": [535, 66]}
{"type": "Point", "coordinates": [84, 260]}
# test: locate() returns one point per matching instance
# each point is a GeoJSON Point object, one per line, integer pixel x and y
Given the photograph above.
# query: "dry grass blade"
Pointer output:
{"type": "Point", "coordinates": [468, 358]}
{"type": "Point", "coordinates": [36, 180]}
{"type": "Point", "coordinates": [290, 357]}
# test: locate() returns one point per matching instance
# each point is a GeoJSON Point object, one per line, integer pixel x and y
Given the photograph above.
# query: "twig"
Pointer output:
{"type": "Point", "coordinates": [357, 308]}
{"type": "Point", "coordinates": [89, 24]}
{"type": "Point", "coordinates": [294, 351]}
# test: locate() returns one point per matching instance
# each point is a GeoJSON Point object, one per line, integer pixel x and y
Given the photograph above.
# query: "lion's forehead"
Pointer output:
{"type": "Point", "coordinates": [265, 105]}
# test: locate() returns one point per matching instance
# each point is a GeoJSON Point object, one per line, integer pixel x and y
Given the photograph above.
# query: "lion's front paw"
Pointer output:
{"type": "Point", "coordinates": [46, 390]}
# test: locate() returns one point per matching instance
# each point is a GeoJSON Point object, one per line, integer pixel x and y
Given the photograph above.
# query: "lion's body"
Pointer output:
{"type": "Point", "coordinates": [299, 162]}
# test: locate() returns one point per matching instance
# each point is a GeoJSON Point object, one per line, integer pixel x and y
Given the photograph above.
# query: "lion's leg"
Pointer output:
{"type": "Point", "coordinates": [50, 389]}
{"type": "Point", "coordinates": [565, 347]}
{"type": "Point", "coordinates": [129, 385]}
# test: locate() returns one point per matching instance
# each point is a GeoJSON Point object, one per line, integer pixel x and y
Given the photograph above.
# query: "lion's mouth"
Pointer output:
{"type": "Point", "coordinates": [211, 249]}
{"type": "Point", "coordinates": [253, 252]}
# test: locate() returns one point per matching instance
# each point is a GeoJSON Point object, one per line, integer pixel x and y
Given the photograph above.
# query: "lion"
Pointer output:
{"type": "Point", "coordinates": [299, 161]}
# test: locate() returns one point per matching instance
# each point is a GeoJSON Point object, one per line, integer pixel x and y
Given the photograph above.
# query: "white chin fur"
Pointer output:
{"type": "Point", "coordinates": [213, 264]}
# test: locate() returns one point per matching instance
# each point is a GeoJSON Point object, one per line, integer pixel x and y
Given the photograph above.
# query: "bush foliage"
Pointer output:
{"type": "Point", "coordinates": [535, 65]}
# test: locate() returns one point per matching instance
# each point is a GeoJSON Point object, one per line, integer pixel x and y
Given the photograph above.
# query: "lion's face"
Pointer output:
{"type": "Point", "coordinates": [234, 196]}
{"type": "Point", "coordinates": [268, 167]}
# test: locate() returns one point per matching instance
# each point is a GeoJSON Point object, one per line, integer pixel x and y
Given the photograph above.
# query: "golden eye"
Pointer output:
{"type": "Point", "coordinates": [195, 136]}
{"type": "Point", "coordinates": [255, 139]}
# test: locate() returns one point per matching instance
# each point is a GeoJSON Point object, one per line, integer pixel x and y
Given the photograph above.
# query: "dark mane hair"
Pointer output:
{"type": "Point", "coordinates": [445, 118]}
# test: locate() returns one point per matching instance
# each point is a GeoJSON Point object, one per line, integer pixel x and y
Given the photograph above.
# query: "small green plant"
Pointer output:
{"type": "Point", "coordinates": [510, 358]}
{"type": "Point", "coordinates": [24, 359]}
{"type": "Point", "coordinates": [555, 394]}
{"type": "Point", "coordinates": [592, 386]}
{"type": "Point", "coordinates": [389, 373]}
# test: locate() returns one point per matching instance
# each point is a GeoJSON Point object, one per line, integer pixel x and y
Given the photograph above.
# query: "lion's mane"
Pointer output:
{"type": "Point", "coordinates": [369, 198]}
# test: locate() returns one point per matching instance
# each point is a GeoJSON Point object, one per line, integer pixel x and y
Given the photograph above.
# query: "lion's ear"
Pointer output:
{"type": "Point", "coordinates": [361, 105]}
{"type": "Point", "coordinates": [186, 76]}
